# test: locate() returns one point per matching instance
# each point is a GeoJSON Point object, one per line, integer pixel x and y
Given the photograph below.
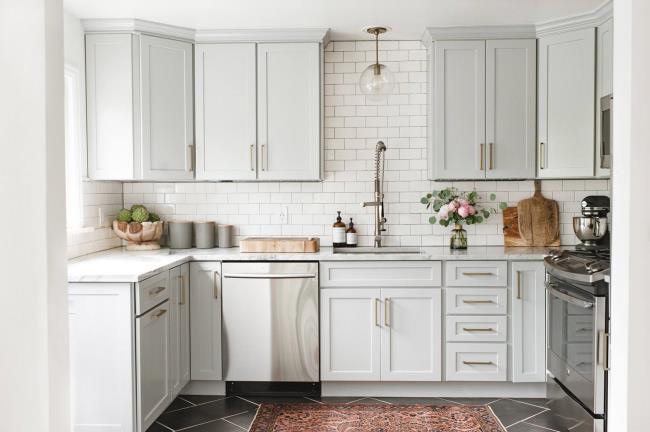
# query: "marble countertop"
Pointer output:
{"type": "Point", "coordinates": [120, 265]}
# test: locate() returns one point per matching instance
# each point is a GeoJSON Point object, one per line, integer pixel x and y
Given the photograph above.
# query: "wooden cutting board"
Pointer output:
{"type": "Point", "coordinates": [534, 222]}
{"type": "Point", "coordinates": [280, 244]}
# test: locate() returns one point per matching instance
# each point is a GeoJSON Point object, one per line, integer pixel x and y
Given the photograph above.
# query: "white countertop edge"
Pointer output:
{"type": "Point", "coordinates": [121, 266]}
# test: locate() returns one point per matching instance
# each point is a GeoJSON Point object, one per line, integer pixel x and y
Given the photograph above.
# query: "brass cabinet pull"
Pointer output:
{"type": "Point", "coordinates": [375, 315]}
{"type": "Point", "coordinates": [542, 160]}
{"type": "Point", "coordinates": [482, 155]}
{"type": "Point", "coordinates": [518, 285]}
{"type": "Point", "coordinates": [478, 329]}
{"type": "Point", "coordinates": [160, 313]}
{"type": "Point", "coordinates": [387, 312]}
{"type": "Point", "coordinates": [181, 278]}
{"type": "Point", "coordinates": [491, 159]}
{"type": "Point", "coordinates": [215, 284]}
{"type": "Point", "coordinates": [190, 150]}
{"type": "Point", "coordinates": [263, 157]}
{"type": "Point", "coordinates": [478, 274]}
{"type": "Point", "coordinates": [155, 291]}
{"type": "Point", "coordinates": [466, 362]}
{"type": "Point", "coordinates": [251, 157]}
{"type": "Point", "coordinates": [477, 301]}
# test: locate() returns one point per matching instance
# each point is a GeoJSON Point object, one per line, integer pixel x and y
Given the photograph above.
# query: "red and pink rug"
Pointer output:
{"type": "Point", "coordinates": [374, 418]}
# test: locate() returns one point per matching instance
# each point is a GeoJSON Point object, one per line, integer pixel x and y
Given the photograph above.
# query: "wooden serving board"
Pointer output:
{"type": "Point", "coordinates": [511, 234]}
{"type": "Point", "coordinates": [280, 244]}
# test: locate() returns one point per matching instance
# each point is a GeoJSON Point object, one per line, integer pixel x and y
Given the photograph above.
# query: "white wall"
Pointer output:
{"type": "Point", "coordinates": [630, 375]}
{"type": "Point", "coordinates": [352, 127]}
{"type": "Point", "coordinates": [34, 350]}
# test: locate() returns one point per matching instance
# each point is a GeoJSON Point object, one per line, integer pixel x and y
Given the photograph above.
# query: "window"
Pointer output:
{"type": "Point", "coordinates": [73, 148]}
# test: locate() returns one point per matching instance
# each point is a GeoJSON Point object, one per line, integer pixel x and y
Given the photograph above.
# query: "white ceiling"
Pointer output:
{"type": "Point", "coordinates": [345, 18]}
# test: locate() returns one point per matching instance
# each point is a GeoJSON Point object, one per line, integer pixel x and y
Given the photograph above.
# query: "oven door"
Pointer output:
{"type": "Point", "coordinates": [577, 343]}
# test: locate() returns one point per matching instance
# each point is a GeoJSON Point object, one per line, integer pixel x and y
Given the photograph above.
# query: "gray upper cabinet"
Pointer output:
{"type": "Point", "coordinates": [566, 110]}
{"type": "Point", "coordinates": [483, 109]}
{"type": "Point", "coordinates": [139, 107]}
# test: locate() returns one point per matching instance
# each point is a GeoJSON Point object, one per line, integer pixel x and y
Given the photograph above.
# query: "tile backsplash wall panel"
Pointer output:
{"type": "Point", "coordinates": [99, 198]}
{"type": "Point", "coordinates": [352, 127]}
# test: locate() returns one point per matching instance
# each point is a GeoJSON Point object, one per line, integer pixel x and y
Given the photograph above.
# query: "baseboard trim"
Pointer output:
{"type": "Point", "coordinates": [210, 388]}
{"type": "Point", "coordinates": [435, 389]}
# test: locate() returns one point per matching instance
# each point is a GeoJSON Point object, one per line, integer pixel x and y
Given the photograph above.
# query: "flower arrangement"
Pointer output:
{"type": "Point", "coordinates": [453, 207]}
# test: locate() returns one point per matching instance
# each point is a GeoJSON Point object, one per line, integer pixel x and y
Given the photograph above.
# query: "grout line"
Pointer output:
{"type": "Point", "coordinates": [314, 400]}
{"type": "Point", "coordinates": [542, 427]}
{"type": "Point", "coordinates": [496, 400]}
{"type": "Point", "coordinates": [200, 424]}
{"type": "Point", "coordinates": [234, 424]}
{"type": "Point", "coordinates": [449, 400]}
{"type": "Point", "coordinates": [194, 405]}
{"type": "Point", "coordinates": [232, 415]}
{"type": "Point", "coordinates": [189, 402]}
{"type": "Point", "coordinates": [531, 404]}
{"type": "Point", "coordinates": [256, 404]}
{"type": "Point", "coordinates": [527, 418]}
{"type": "Point", "coordinates": [379, 400]}
{"type": "Point", "coordinates": [355, 400]}
{"type": "Point", "coordinates": [165, 426]}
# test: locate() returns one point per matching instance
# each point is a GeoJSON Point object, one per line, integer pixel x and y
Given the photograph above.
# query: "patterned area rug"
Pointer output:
{"type": "Point", "coordinates": [374, 418]}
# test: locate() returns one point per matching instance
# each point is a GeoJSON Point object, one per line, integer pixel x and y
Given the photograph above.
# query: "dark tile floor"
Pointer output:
{"type": "Point", "coordinates": [234, 413]}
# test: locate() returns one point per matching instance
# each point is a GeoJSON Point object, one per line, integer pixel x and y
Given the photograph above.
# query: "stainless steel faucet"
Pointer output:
{"type": "Point", "coordinates": [378, 203]}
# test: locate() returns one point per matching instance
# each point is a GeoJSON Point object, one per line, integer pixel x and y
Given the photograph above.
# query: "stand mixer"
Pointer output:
{"type": "Point", "coordinates": [592, 227]}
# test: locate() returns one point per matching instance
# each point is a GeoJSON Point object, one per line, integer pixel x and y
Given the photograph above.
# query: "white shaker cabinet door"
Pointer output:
{"type": "Point", "coordinates": [511, 90]}
{"type": "Point", "coordinates": [459, 110]}
{"type": "Point", "coordinates": [205, 326]}
{"type": "Point", "coordinates": [153, 355]}
{"type": "Point", "coordinates": [226, 147]}
{"type": "Point", "coordinates": [528, 308]}
{"type": "Point", "coordinates": [411, 347]}
{"type": "Point", "coordinates": [111, 121]}
{"type": "Point", "coordinates": [288, 111]}
{"type": "Point", "coordinates": [350, 334]}
{"type": "Point", "coordinates": [167, 109]}
{"type": "Point", "coordinates": [566, 108]}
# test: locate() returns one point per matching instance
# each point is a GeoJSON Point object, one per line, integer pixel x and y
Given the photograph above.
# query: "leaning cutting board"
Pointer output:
{"type": "Point", "coordinates": [534, 222]}
{"type": "Point", "coordinates": [280, 244]}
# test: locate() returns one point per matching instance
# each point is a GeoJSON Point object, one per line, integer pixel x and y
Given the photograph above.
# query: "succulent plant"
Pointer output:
{"type": "Point", "coordinates": [140, 214]}
{"type": "Point", "coordinates": [124, 215]}
{"type": "Point", "coordinates": [153, 217]}
{"type": "Point", "coordinates": [135, 206]}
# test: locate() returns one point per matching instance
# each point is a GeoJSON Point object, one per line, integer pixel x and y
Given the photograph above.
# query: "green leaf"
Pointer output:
{"type": "Point", "coordinates": [485, 213]}
{"type": "Point", "coordinates": [503, 205]}
{"type": "Point", "coordinates": [479, 219]}
{"type": "Point", "coordinates": [424, 200]}
{"type": "Point", "coordinates": [493, 197]}
{"type": "Point", "coordinates": [444, 222]}
{"type": "Point", "coordinates": [432, 220]}
{"type": "Point", "coordinates": [429, 195]}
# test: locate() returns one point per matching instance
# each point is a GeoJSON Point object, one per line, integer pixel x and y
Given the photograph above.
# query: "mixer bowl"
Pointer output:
{"type": "Point", "coordinates": [589, 229]}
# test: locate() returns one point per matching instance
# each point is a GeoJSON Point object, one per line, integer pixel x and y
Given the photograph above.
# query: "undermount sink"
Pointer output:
{"type": "Point", "coordinates": [379, 250]}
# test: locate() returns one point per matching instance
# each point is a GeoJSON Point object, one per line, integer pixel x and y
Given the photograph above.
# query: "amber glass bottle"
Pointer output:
{"type": "Point", "coordinates": [338, 232]}
{"type": "Point", "coordinates": [351, 235]}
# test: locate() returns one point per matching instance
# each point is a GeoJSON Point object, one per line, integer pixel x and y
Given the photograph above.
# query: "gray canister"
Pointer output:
{"type": "Point", "coordinates": [225, 236]}
{"type": "Point", "coordinates": [204, 235]}
{"type": "Point", "coordinates": [180, 235]}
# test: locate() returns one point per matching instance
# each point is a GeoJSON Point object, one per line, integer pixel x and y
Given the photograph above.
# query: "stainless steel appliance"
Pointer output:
{"type": "Point", "coordinates": [578, 336]}
{"type": "Point", "coordinates": [606, 117]}
{"type": "Point", "coordinates": [591, 227]}
{"type": "Point", "coordinates": [270, 322]}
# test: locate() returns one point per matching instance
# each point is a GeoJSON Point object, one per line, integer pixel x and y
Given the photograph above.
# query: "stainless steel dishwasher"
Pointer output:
{"type": "Point", "coordinates": [270, 322]}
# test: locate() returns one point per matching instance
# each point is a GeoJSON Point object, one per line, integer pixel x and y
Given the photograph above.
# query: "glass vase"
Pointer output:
{"type": "Point", "coordinates": [458, 238]}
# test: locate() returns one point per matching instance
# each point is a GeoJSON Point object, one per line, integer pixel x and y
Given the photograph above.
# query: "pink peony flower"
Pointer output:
{"type": "Point", "coordinates": [472, 210]}
{"type": "Point", "coordinates": [463, 211]}
{"type": "Point", "coordinates": [462, 202]}
{"type": "Point", "coordinates": [453, 206]}
{"type": "Point", "coordinates": [444, 212]}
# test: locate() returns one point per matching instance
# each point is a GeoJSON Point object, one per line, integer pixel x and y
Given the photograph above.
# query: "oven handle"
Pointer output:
{"type": "Point", "coordinates": [567, 298]}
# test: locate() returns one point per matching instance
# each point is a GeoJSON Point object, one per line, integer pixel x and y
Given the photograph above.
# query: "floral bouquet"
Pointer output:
{"type": "Point", "coordinates": [451, 206]}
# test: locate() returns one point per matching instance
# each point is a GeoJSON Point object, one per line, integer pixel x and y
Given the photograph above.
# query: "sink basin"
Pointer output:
{"type": "Point", "coordinates": [381, 250]}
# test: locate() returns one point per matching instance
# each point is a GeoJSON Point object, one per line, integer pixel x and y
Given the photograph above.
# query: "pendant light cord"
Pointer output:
{"type": "Point", "coordinates": [377, 69]}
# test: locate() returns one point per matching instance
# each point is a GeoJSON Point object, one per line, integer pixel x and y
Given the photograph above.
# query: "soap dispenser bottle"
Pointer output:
{"type": "Point", "coordinates": [338, 232]}
{"type": "Point", "coordinates": [351, 235]}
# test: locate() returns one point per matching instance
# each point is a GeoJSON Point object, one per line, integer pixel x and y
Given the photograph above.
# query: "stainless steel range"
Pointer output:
{"type": "Point", "coordinates": [578, 334]}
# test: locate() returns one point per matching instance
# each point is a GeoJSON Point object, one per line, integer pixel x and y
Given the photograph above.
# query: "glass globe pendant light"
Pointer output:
{"type": "Point", "coordinates": [376, 81]}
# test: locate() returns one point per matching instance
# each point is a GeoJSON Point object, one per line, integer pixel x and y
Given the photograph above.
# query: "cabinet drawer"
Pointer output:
{"type": "Point", "coordinates": [476, 301]}
{"type": "Point", "coordinates": [376, 274]}
{"type": "Point", "coordinates": [476, 273]}
{"type": "Point", "coordinates": [150, 292]}
{"type": "Point", "coordinates": [476, 362]}
{"type": "Point", "coordinates": [477, 328]}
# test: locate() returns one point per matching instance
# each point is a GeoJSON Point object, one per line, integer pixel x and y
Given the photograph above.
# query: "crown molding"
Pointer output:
{"type": "Point", "coordinates": [134, 25]}
{"type": "Point", "coordinates": [577, 22]}
{"type": "Point", "coordinates": [320, 35]}
{"type": "Point", "coordinates": [478, 32]}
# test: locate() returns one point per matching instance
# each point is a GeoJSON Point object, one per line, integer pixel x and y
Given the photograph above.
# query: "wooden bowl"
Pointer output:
{"type": "Point", "coordinates": [140, 236]}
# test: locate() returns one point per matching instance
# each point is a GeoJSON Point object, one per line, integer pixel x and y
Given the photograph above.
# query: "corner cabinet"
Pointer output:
{"type": "Point", "coordinates": [566, 110]}
{"type": "Point", "coordinates": [528, 309]}
{"type": "Point", "coordinates": [258, 114]}
{"type": "Point", "coordinates": [483, 109]}
{"type": "Point", "coordinates": [139, 107]}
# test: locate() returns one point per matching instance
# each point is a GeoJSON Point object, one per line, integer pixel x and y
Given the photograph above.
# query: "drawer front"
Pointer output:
{"type": "Point", "coordinates": [477, 328]}
{"type": "Point", "coordinates": [476, 301]}
{"type": "Point", "coordinates": [476, 362]}
{"type": "Point", "coordinates": [476, 273]}
{"type": "Point", "coordinates": [376, 274]}
{"type": "Point", "coordinates": [151, 291]}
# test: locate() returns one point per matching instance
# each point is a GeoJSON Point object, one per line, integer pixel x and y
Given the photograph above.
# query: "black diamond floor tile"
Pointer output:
{"type": "Point", "coordinates": [277, 400]}
{"type": "Point", "coordinates": [156, 427]}
{"type": "Point", "coordinates": [177, 404]}
{"type": "Point", "coordinates": [551, 420]}
{"type": "Point", "coordinates": [540, 402]}
{"type": "Point", "coordinates": [216, 426]}
{"type": "Point", "coordinates": [472, 401]}
{"type": "Point", "coordinates": [205, 413]}
{"type": "Point", "coordinates": [243, 420]}
{"type": "Point", "coordinates": [511, 412]}
{"type": "Point", "coordinates": [201, 399]}
{"type": "Point", "coordinates": [528, 427]}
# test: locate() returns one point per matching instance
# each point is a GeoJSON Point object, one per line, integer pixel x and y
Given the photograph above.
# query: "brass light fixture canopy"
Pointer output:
{"type": "Point", "coordinates": [376, 81]}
